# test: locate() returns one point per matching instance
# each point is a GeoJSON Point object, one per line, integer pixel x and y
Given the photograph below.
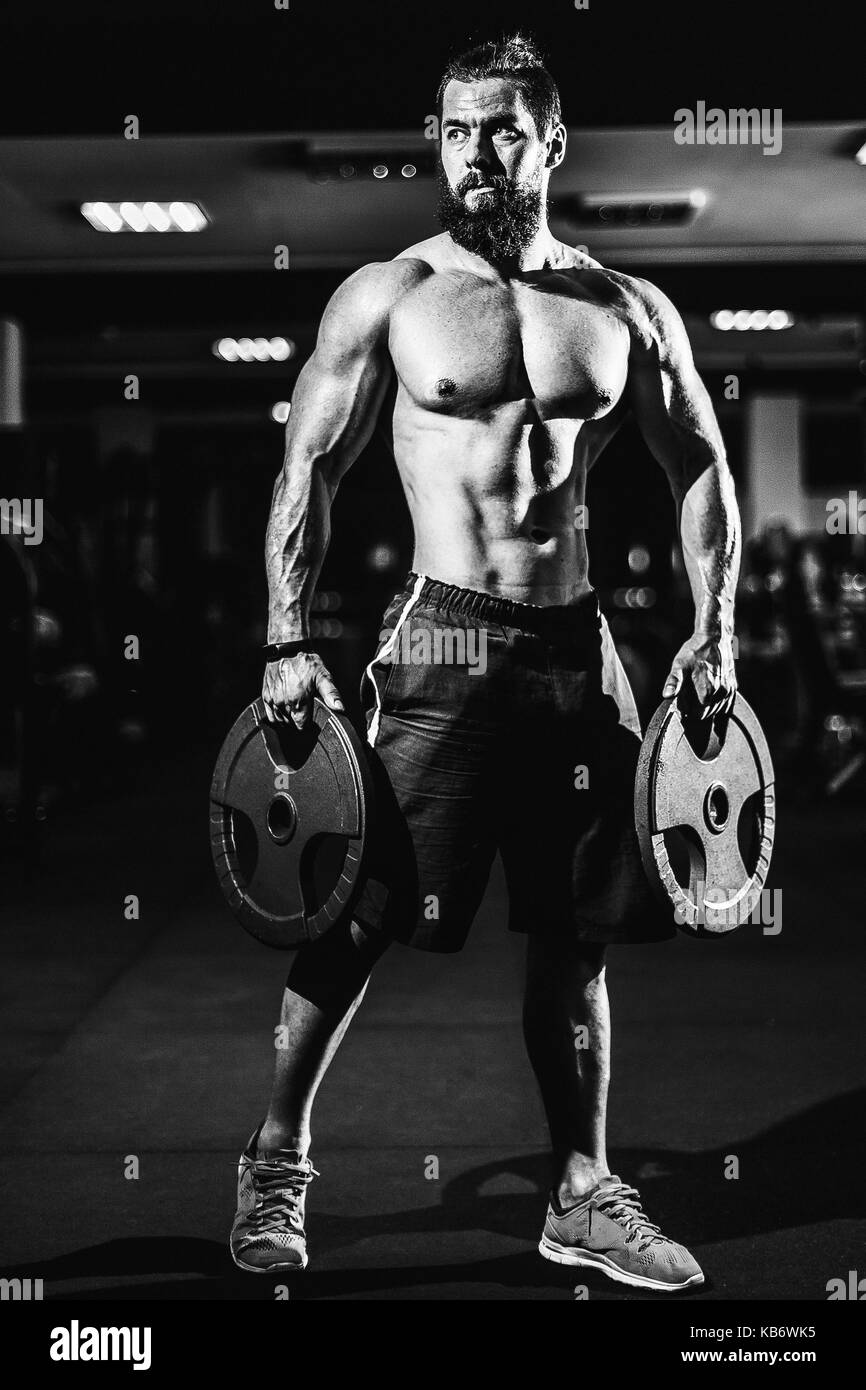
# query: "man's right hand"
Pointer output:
{"type": "Point", "coordinates": [290, 685]}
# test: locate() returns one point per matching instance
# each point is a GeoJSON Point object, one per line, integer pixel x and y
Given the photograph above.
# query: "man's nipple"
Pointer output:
{"type": "Point", "coordinates": [446, 387]}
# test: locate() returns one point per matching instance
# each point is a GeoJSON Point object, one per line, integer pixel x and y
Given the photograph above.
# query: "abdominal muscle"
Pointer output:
{"type": "Point", "coordinates": [493, 502]}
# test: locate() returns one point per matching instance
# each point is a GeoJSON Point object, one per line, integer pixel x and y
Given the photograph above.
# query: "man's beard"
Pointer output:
{"type": "Point", "coordinates": [503, 223]}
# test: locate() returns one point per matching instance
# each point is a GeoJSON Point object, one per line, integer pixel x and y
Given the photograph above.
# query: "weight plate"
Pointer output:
{"type": "Point", "coordinates": [705, 813]}
{"type": "Point", "coordinates": [289, 813]}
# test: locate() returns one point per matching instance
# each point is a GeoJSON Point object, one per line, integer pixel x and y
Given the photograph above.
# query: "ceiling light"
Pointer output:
{"type": "Point", "coordinates": [358, 162]}
{"type": "Point", "coordinates": [187, 216]}
{"type": "Point", "coordinates": [631, 209]}
{"type": "Point", "coordinates": [253, 349]}
{"type": "Point", "coordinates": [751, 320]}
{"type": "Point", "coordinates": [102, 216]}
{"type": "Point", "coordinates": [150, 216]}
{"type": "Point", "coordinates": [227, 349]}
{"type": "Point", "coordinates": [157, 217]}
{"type": "Point", "coordinates": [134, 217]}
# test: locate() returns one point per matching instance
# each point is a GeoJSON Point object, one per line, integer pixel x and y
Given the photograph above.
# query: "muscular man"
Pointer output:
{"type": "Point", "coordinates": [504, 361]}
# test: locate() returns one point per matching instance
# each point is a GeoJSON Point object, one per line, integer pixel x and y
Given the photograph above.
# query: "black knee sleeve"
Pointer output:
{"type": "Point", "coordinates": [332, 971]}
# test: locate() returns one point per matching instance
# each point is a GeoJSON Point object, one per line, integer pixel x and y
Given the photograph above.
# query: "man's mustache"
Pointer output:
{"type": "Point", "coordinates": [497, 182]}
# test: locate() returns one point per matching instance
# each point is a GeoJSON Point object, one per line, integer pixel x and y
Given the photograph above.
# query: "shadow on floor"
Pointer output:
{"type": "Point", "coordinates": [797, 1173]}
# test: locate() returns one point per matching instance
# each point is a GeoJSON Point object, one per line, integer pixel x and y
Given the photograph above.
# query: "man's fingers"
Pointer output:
{"type": "Point", "coordinates": [289, 690]}
{"type": "Point", "coordinates": [299, 709]}
{"type": "Point", "coordinates": [272, 710]}
{"type": "Point", "coordinates": [301, 712]}
{"type": "Point", "coordinates": [328, 692]}
{"type": "Point", "coordinates": [673, 682]}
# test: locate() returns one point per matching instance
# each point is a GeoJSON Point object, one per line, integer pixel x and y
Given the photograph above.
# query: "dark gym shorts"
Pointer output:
{"type": "Point", "coordinates": [495, 725]}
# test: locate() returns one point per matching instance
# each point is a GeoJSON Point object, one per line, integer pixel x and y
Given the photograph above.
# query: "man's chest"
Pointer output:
{"type": "Point", "coordinates": [461, 345]}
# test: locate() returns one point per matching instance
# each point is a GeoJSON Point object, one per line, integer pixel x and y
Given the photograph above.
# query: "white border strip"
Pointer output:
{"type": "Point", "coordinates": [373, 730]}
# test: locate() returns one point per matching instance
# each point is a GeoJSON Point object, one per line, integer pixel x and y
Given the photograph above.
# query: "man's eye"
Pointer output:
{"type": "Point", "coordinates": [454, 134]}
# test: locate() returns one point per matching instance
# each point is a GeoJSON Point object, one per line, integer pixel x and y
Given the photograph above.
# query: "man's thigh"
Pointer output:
{"type": "Point", "coordinates": [432, 742]}
{"type": "Point", "coordinates": [569, 844]}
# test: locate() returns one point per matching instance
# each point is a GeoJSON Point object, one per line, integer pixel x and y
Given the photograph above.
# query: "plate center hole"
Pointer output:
{"type": "Point", "coordinates": [282, 818]}
{"type": "Point", "coordinates": [717, 808]}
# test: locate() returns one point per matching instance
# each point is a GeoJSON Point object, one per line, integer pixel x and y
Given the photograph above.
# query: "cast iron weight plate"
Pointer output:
{"type": "Point", "coordinates": [289, 813]}
{"type": "Point", "coordinates": [711, 783]}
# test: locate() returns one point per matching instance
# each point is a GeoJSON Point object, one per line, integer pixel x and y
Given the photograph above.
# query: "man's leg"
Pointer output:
{"type": "Point", "coordinates": [326, 984]}
{"type": "Point", "coordinates": [594, 1220]}
{"type": "Point", "coordinates": [566, 1024]}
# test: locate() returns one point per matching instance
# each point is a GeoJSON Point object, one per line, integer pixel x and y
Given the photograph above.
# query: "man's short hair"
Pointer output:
{"type": "Point", "coordinates": [518, 58]}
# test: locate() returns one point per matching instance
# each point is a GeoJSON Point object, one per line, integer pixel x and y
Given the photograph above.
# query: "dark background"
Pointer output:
{"type": "Point", "coordinates": [151, 1036]}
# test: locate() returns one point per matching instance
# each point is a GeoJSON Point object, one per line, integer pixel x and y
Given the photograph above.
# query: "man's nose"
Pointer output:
{"type": "Point", "coordinates": [479, 152]}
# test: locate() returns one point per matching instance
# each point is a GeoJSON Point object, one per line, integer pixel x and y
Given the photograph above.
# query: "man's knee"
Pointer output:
{"type": "Point", "coordinates": [554, 961]}
{"type": "Point", "coordinates": [332, 971]}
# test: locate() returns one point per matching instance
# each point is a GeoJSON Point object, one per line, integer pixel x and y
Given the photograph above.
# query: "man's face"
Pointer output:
{"type": "Point", "coordinates": [493, 176]}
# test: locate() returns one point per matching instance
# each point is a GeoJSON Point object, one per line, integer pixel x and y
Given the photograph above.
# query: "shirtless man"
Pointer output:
{"type": "Point", "coordinates": [504, 361]}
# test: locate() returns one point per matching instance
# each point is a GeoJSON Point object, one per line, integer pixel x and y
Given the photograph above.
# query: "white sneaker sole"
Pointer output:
{"type": "Point", "coordinates": [293, 1268]}
{"type": "Point", "coordinates": [587, 1259]}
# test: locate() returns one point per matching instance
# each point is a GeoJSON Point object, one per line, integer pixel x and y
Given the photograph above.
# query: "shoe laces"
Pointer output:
{"type": "Point", "coordinates": [622, 1203]}
{"type": "Point", "coordinates": [278, 1187]}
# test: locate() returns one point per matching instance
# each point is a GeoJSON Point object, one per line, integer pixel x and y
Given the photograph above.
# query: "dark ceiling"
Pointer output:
{"type": "Point", "coordinates": [218, 66]}
{"type": "Point", "coordinates": [784, 231]}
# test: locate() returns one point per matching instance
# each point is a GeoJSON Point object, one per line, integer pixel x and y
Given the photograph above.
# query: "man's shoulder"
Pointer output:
{"type": "Point", "coordinates": [646, 309]}
{"type": "Point", "coordinates": [378, 282]}
{"type": "Point", "coordinates": [362, 304]}
{"type": "Point", "coordinates": [578, 258]}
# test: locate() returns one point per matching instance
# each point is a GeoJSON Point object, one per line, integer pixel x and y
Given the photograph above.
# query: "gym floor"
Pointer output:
{"type": "Point", "coordinates": [150, 1040]}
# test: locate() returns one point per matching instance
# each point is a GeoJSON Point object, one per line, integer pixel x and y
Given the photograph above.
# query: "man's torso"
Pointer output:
{"type": "Point", "coordinates": [506, 392]}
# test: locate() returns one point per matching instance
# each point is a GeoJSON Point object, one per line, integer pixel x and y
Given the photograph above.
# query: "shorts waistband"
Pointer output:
{"type": "Point", "coordinates": [542, 620]}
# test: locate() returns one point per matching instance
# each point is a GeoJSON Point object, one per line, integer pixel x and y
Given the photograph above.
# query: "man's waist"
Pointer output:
{"type": "Point", "coordinates": [421, 592]}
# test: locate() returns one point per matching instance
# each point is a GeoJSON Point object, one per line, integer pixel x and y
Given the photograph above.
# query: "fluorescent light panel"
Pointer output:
{"type": "Point", "coordinates": [149, 216]}
{"type": "Point", "coordinates": [253, 349]}
{"type": "Point", "coordinates": [751, 320]}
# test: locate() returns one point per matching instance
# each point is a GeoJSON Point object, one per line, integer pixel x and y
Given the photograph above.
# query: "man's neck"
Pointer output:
{"type": "Point", "coordinates": [544, 252]}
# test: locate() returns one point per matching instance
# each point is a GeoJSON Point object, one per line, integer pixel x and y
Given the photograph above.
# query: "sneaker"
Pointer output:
{"type": "Point", "coordinates": [268, 1232]}
{"type": "Point", "coordinates": [608, 1231]}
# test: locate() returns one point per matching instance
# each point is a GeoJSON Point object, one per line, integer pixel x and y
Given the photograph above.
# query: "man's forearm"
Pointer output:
{"type": "Point", "coordinates": [299, 529]}
{"type": "Point", "coordinates": [710, 532]}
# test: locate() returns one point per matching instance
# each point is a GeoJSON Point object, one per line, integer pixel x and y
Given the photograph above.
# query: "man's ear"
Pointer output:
{"type": "Point", "coordinates": [556, 147]}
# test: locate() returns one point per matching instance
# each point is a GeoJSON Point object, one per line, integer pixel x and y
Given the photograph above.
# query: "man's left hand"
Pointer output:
{"type": "Point", "coordinates": [709, 660]}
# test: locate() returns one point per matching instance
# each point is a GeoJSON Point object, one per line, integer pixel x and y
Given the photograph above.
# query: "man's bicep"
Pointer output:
{"type": "Point", "coordinates": [668, 398]}
{"type": "Point", "coordinates": [334, 412]}
{"type": "Point", "coordinates": [341, 387]}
